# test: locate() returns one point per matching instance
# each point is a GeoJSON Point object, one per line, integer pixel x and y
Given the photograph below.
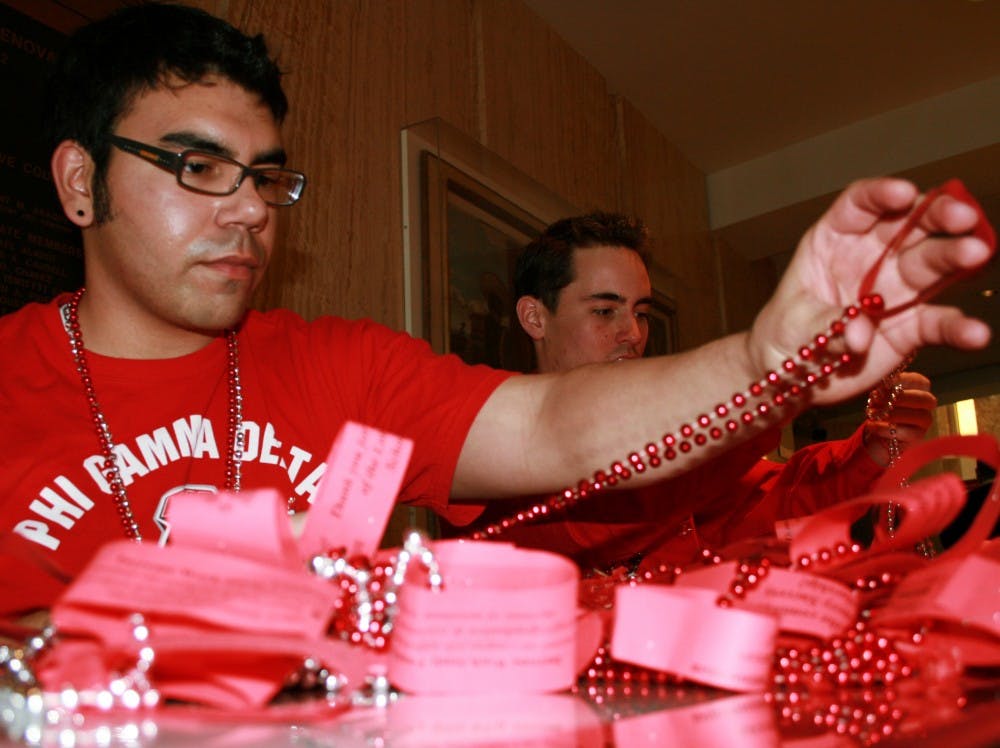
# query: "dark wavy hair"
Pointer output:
{"type": "Point", "coordinates": [545, 267]}
{"type": "Point", "coordinates": [107, 64]}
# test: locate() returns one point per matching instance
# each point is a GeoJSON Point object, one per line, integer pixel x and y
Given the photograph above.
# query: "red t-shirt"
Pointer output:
{"type": "Point", "coordinates": [301, 381]}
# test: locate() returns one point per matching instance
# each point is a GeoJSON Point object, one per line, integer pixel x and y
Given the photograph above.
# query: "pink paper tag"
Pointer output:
{"type": "Point", "coordinates": [964, 591]}
{"type": "Point", "coordinates": [505, 622]}
{"type": "Point", "coordinates": [202, 585]}
{"type": "Point", "coordinates": [802, 602]}
{"type": "Point", "coordinates": [364, 471]}
{"type": "Point", "coordinates": [256, 524]}
{"type": "Point", "coordinates": [683, 631]}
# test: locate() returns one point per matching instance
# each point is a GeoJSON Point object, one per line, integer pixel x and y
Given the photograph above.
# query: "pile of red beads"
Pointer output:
{"type": "Point", "coordinates": [859, 658]}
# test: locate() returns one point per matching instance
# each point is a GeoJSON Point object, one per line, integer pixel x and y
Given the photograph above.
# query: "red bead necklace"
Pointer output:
{"type": "Point", "coordinates": [234, 448]}
{"type": "Point", "coordinates": [813, 364]}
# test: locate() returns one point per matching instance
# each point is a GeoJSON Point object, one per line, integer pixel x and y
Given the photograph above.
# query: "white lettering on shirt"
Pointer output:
{"type": "Point", "coordinates": [310, 483]}
{"type": "Point", "coordinates": [195, 438]}
{"type": "Point", "coordinates": [37, 532]}
{"type": "Point", "coordinates": [63, 511]}
{"type": "Point", "coordinates": [205, 446]}
{"type": "Point", "coordinates": [299, 456]}
{"type": "Point", "coordinates": [269, 443]}
{"type": "Point", "coordinates": [157, 449]}
{"type": "Point", "coordinates": [129, 466]}
{"type": "Point", "coordinates": [63, 504]}
{"type": "Point", "coordinates": [251, 440]}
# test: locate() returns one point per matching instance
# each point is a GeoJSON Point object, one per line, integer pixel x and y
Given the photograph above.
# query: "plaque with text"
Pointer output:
{"type": "Point", "coordinates": [40, 252]}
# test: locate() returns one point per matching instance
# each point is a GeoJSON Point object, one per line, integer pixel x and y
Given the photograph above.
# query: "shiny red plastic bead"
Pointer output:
{"type": "Point", "coordinates": [873, 304]}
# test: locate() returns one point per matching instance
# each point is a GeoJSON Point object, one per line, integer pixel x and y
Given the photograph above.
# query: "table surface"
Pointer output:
{"type": "Point", "coordinates": [952, 716]}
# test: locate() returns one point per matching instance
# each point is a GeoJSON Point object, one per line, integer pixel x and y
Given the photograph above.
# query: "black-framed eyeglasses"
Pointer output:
{"type": "Point", "coordinates": [212, 174]}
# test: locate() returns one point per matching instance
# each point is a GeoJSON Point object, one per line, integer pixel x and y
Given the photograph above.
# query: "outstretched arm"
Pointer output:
{"type": "Point", "coordinates": [545, 432]}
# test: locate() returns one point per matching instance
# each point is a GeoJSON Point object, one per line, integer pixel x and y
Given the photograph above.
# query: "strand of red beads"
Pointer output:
{"type": "Point", "coordinates": [813, 364]}
{"type": "Point", "coordinates": [109, 468]}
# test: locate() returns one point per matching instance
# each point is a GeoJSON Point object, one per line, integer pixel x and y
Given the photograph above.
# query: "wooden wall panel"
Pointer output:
{"type": "Point", "coordinates": [746, 285]}
{"type": "Point", "coordinates": [439, 63]}
{"type": "Point", "coordinates": [357, 73]}
{"type": "Point", "coordinates": [339, 249]}
{"type": "Point", "coordinates": [666, 191]}
{"type": "Point", "coordinates": [546, 110]}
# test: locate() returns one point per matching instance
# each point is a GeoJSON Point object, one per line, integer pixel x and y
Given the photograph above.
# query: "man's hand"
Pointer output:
{"type": "Point", "coordinates": [907, 421]}
{"type": "Point", "coordinates": [833, 258]}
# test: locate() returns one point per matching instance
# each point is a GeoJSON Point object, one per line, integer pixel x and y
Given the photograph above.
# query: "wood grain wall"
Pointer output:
{"type": "Point", "coordinates": [359, 71]}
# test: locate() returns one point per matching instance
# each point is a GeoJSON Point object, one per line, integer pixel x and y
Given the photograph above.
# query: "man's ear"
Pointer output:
{"type": "Point", "coordinates": [531, 315]}
{"type": "Point", "coordinates": [73, 173]}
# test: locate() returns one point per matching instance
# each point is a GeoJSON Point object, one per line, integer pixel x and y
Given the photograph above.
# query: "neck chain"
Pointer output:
{"type": "Point", "coordinates": [881, 403]}
{"type": "Point", "coordinates": [234, 446]}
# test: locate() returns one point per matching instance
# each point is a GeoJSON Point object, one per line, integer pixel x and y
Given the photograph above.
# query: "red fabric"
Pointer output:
{"type": "Point", "coordinates": [733, 497]}
{"type": "Point", "coordinates": [301, 381]}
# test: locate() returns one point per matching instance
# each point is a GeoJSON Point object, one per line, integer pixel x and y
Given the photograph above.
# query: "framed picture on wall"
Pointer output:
{"type": "Point", "coordinates": [467, 214]}
{"type": "Point", "coordinates": [474, 236]}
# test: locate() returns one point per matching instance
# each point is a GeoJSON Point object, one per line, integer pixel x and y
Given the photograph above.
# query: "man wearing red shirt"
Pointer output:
{"type": "Point", "coordinates": [583, 297]}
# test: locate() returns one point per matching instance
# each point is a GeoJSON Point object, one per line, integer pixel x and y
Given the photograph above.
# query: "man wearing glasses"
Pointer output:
{"type": "Point", "coordinates": [155, 377]}
{"type": "Point", "coordinates": [212, 173]}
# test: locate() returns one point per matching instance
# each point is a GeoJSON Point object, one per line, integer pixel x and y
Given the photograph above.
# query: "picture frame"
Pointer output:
{"type": "Point", "coordinates": [467, 214]}
{"type": "Point", "coordinates": [474, 236]}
